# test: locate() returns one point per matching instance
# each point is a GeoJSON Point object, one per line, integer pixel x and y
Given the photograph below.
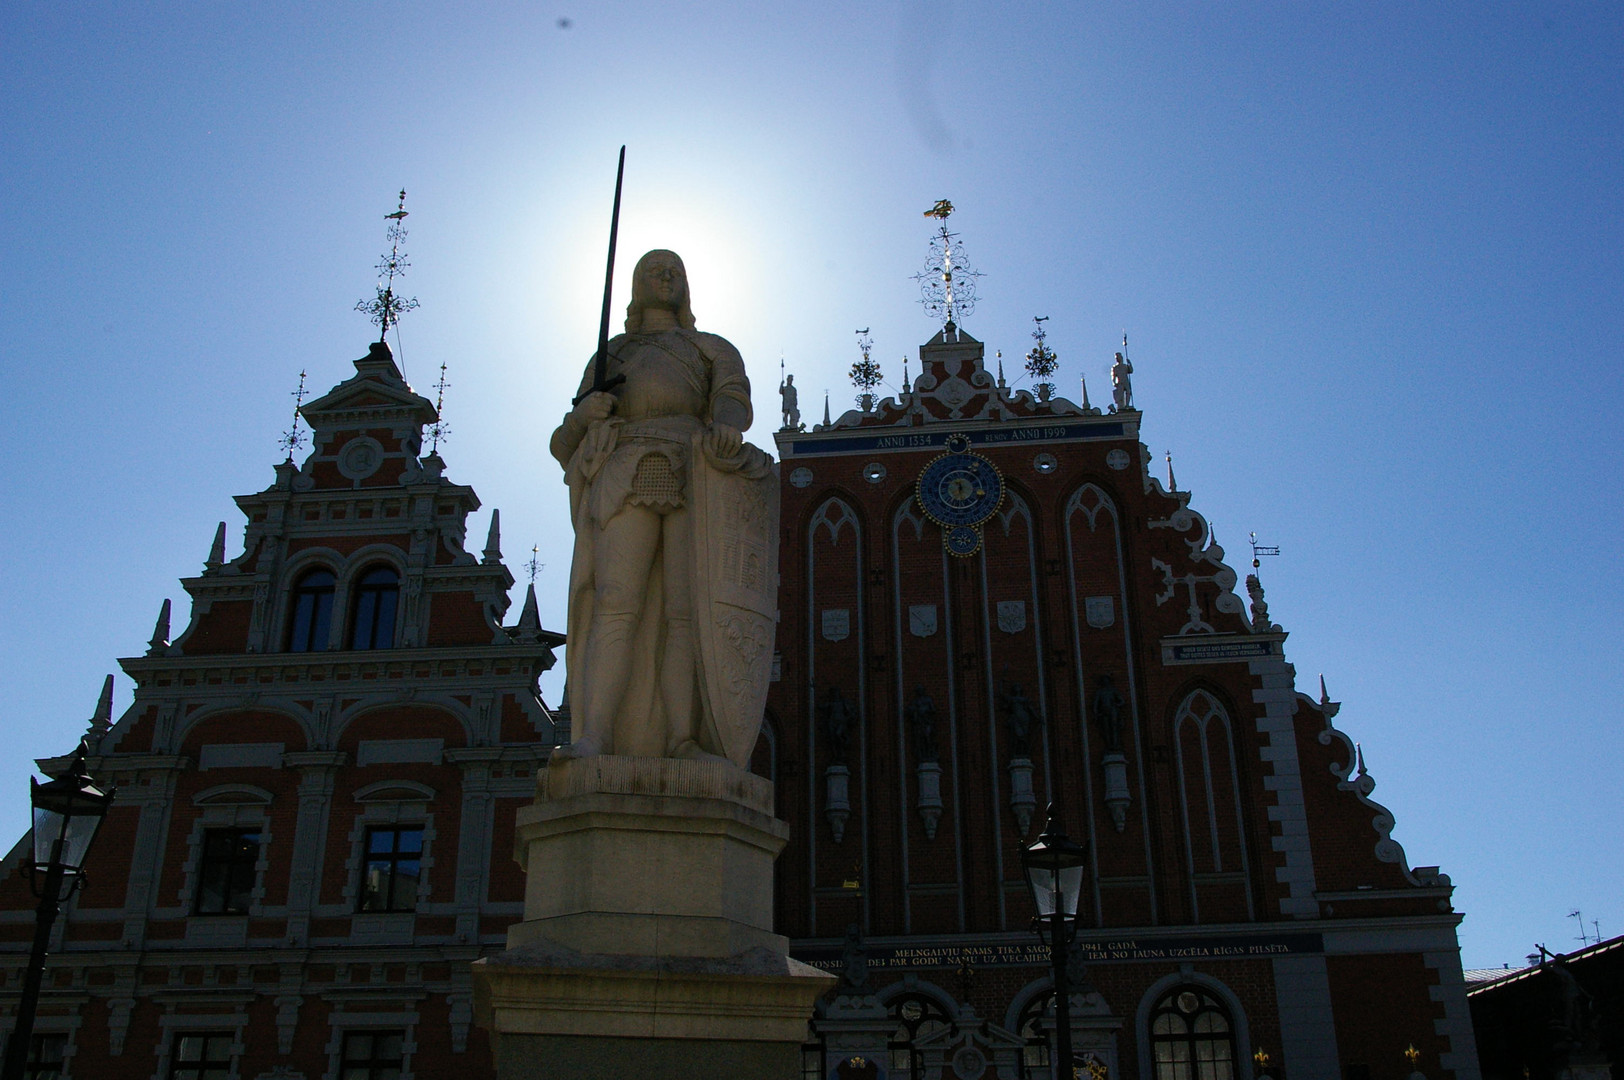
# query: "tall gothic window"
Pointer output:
{"type": "Point", "coordinates": [312, 612]}
{"type": "Point", "coordinates": [375, 598]}
{"type": "Point", "coordinates": [1192, 1037]}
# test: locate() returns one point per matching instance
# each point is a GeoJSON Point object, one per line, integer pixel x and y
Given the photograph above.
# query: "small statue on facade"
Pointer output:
{"type": "Point", "coordinates": [922, 721]}
{"type": "Point", "coordinates": [1121, 384]}
{"type": "Point", "coordinates": [791, 404]}
{"type": "Point", "coordinates": [1108, 706]}
{"type": "Point", "coordinates": [854, 964]}
{"type": "Point", "coordinates": [836, 718]}
{"type": "Point", "coordinates": [1022, 718]}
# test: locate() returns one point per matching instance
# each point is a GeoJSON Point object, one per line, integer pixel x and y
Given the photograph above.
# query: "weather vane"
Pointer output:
{"type": "Point", "coordinates": [535, 565]}
{"type": "Point", "coordinates": [439, 429]}
{"type": "Point", "coordinates": [1041, 362]}
{"type": "Point", "coordinates": [293, 438]}
{"type": "Point", "coordinates": [947, 285]}
{"type": "Point", "coordinates": [1260, 550]}
{"type": "Point", "coordinates": [865, 374]}
{"type": "Point", "coordinates": [385, 309]}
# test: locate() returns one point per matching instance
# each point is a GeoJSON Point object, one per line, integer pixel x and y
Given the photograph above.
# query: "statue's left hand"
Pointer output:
{"type": "Point", "coordinates": [722, 440]}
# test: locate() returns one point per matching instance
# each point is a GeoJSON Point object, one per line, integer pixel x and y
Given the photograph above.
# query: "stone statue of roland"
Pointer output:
{"type": "Point", "coordinates": [673, 583]}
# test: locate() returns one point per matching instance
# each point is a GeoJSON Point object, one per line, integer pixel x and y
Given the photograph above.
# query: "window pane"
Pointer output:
{"type": "Point", "coordinates": [389, 1047]}
{"type": "Point", "coordinates": [409, 840]}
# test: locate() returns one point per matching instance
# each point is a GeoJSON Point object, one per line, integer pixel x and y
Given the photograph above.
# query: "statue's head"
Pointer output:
{"type": "Point", "coordinates": [659, 281]}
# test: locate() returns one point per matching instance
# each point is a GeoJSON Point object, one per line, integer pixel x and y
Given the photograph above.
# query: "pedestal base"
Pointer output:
{"type": "Point", "coordinates": [647, 946]}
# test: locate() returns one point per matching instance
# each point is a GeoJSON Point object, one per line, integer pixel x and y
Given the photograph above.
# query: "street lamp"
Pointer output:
{"type": "Point", "coordinates": [1054, 866]}
{"type": "Point", "coordinates": [67, 813]}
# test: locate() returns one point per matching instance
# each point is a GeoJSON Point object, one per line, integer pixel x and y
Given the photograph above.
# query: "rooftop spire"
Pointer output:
{"type": "Point", "coordinates": [160, 632]}
{"type": "Point", "coordinates": [293, 438]}
{"type": "Point", "coordinates": [865, 374]}
{"type": "Point", "coordinates": [947, 285]}
{"type": "Point", "coordinates": [439, 429]}
{"type": "Point", "coordinates": [385, 309]}
{"type": "Point", "coordinates": [217, 550]}
{"type": "Point", "coordinates": [1041, 362]}
{"type": "Point", "coordinates": [103, 717]}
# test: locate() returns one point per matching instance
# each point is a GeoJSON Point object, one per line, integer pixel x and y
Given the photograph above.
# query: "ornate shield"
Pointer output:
{"type": "Point", "coordinates": [734, 511]}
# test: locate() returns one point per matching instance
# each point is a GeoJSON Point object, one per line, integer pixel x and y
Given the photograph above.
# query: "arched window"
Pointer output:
{"type": "Point", "coordinates": [312, 612]}
{"type": "Point", "coordinates": [375, 597]}
{"type": "Point", "coordinates": [1192, 1037]}
{"type": "Point", "coordinates": [917, 1018]}
{"type": "Point", "coordinates": [1034, 1059]}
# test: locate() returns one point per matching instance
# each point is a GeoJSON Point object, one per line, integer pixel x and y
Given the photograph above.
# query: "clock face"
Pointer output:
{"type": "Point", "coordinates": [960, 489]}
{"type": "Point", "coordinates": [962, 540]}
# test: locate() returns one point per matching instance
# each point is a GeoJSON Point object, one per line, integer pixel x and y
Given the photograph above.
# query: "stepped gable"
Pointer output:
{"type": "Point", "coordinates": [362, 491]}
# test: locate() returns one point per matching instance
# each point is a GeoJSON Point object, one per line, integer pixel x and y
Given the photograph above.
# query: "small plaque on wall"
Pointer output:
{"type": "Point", "coordinates": [922, 620]}
{"type": "Point", "coordinates": [1100, 610]}
{"type": "Point", "coordinates": [836, 624]}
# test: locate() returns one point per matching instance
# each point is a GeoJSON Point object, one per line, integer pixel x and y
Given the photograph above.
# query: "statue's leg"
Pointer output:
{"type": "Point", "coordinates": [679, 667]}
{"type": "Point", "coordinates": [622, 554]}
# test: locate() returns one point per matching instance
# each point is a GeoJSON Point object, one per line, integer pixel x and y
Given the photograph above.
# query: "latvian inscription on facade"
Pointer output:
{"type": "Point", "coordinates": [1216, 652]}
{"type": "Point", "coordinates": [830, 958]}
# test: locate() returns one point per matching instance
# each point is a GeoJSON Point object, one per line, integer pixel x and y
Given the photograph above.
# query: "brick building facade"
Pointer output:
{"type": "Point", "coordinates": [1243, 893]}
{"type": "Point", "coordinates": [318, 777]}
{"type": "Point", "coordinates": [316, 786]}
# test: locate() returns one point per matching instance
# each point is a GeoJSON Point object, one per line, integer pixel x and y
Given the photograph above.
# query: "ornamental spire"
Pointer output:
{"type": "Point", "coordinates": [385, 309]}
{"type": "Point", "coordinates": [865, 374]}
{"type": "Point", "coordinates": [293, 438]}
{"type": "Point", "coordinates": [947, 285]}
{"type": "Point", "coordinates": [1041, 362]}
{"type": "Point", "coordinates": [439, 429]}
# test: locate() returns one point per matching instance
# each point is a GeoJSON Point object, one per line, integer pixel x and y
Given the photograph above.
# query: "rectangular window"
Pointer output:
{"type": "Point", "coordinates": [394, 863]}
{"type": "Point", "coordinates": [225, 874]}
{"type": "Point", "coordinates": [201, 1055]}
{"type": "Point", "coordinates": [46, 1054]}
{"type": "Point", "coordinates": [372, 1055]}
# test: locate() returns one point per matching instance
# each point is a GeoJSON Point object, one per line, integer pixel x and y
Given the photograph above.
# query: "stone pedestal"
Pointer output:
{"type": "Point", "coordinates": [647, 945]}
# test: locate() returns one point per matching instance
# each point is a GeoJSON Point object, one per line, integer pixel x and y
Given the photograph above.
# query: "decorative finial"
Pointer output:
{"type": "Point", "coordinates": [493, 539]}
{"type": "Point", "coordinates": [907, 386]}
{"type": "Point", "coordinates": [293, 438]}
{"type": "Point", "coordinates": [102, 719]}
{"type": "Point", "coordinates": [160, 632]}
{"type": "Point", "coordinates": [1172, 484]}
{"type": "Point", "coordinates": [947, 284]}
{"type": "Point", "coordinates": [535, 565]}
{"type": "Point", "coordinates": [439, 429]}
{"type": "Point", "coordinates": [1001, 384]}
{"type": "Point", "coordinates": [1412, 1055]}
{"type": "Point", "coordinates": [865, 374]}
{"type": "Point", "coordinates": [385, 309]}
{"type": "Point", "coordinates": [826, 408]}
{"type": "Point", "coordinates": [1359, 752]}
{"type": "Point", "coordinates": [1086, 406]}
{"type": "Point", "coordinates": [1041, 362]}
{"type": "Point", "coordinates": [1260, 607]}
{"type": "Point", "coordinates": [217, 550]}
{"type": "Point", "coordinates": [529, 626]}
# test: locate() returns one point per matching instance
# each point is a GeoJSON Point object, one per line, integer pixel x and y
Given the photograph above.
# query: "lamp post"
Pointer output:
{"type": "Point", "coordinates": [67, 813]}
{"type": "Point", "coordinates": [1054, 872]}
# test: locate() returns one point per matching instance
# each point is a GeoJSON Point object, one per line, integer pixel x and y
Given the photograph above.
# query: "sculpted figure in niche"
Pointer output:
{"type": "Point", "coordinates": [1022, 718]}
{"type": "Point", "coordinates": [922, 721]}
{"type": "Point", "coordinates": [1108, 706]}
{"type": "Point", "coordinates": [630, 459]}
{"type": "Point", "coordinates": [837, 718]}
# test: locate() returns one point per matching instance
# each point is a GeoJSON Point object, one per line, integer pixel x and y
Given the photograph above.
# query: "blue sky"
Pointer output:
{"type": "Point", "coordinates": [1368, 256]}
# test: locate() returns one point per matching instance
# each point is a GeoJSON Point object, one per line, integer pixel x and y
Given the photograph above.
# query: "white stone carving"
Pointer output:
{"type": "Point", "coordinates": [837, 799]}
{"type": "Point", "coordinates": [801, 477]}
{"type": "Point", "coordinates": [1117, 799]}
{"type": "Point", "coordinates": [1117, 459]}
{"type": "Point", "coordinates": [1012, 616]}
{"type": "Point", "coordinates": [1100, 611]}
{"type": "Point", "coordinates": [836, 624]}
{"type": "Point", "coordinates": [1022, 799]}
{"type": "Point", "coordinates": [361, 457]}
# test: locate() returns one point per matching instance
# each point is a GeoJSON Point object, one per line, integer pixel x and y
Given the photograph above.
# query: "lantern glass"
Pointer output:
{"type": "Point", "coordinates": [68, 809]}
{"type": "Point", "coordinates": [1052, 889]}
